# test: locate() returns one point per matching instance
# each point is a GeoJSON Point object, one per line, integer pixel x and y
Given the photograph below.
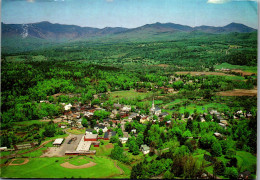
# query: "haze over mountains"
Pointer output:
{"type": "Point", "coordinates": [49, 31]}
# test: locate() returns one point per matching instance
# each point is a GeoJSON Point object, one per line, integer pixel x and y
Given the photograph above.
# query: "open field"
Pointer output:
{"type": "Point", "coordinates": [239, 92]}
{"type": "Point", "coordinates": [77, 131]}
{"type": "Point", "coordinates": [37, 168]}
{"type": "Point", "coordinates": [129, 94]}
{"type": "Point", "coordinates": [252, 69]}
{"type": "Point", "coordinates": [194, 73]}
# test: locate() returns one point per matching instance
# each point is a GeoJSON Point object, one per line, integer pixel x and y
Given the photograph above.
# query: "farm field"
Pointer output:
{"type": "Point", "coordinates": [239, 92]}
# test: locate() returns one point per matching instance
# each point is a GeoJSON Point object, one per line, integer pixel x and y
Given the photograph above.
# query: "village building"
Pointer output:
{"type": "Point", "coordinates": [133, 131]}
{"type": "Point", "coordinates": [67, 107]}
{"type": "Point", "coordinates": [123, 140]}
{"type": "Point", "coordinates": [98, 127]}
{"type": "Point", "coordinates": [89, 131]}
{"type": "Point", "coordinates": [126, 108]}
{"type": "Point", "coordinates": [145, 149]}
{"type": "Point", "coordinates": [117, 106]}
{"type": "Point", "coordinates": [222, 125]}
{"type": "Point", "coordinates": [108, 135]}
{"type": "Point", "coordinates": [155, 110]}
{"type": "Point", "coordinates": [58, 142]}
{"type": "Point", "coordinates": [90, 137]}
{"type": "Point", "coordinates": [3, 148]}
{"type": "Point", "coordinates": [163, 114]}
{"type": "Point", "coordinates": [216, 134]}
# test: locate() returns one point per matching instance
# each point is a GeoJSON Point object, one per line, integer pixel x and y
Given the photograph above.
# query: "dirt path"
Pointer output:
{"type": "Point", "coordinates": [25, 162]}
{"type": "Point", "coordinates": [71, 166]}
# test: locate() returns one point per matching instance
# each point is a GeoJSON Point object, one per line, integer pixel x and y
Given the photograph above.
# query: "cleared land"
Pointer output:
{"type": "Point", "coordinates": [129, 94]}
{"type": "Point", "coordinates": [194, 73]}
{"type": "Point", "coordinates": [239, 92]}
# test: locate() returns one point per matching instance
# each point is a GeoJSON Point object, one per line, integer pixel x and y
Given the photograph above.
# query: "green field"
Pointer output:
{"type": "Point", "coordinates": [50, 167]}
{"type": "Point", "coordinates": [129, 94]}
{"type": "Point", "coordinates": [76, 131]}
{"type": "Point", "coordinates": [192, 107]}
{"type": "Point", "coordinates": [252, 69]}
{"type": "Point", "coordinates": [80, 160]}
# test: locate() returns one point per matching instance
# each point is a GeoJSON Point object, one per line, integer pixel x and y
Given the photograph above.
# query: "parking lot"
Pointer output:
{"type": "Point", "coordinates": [70, 144]}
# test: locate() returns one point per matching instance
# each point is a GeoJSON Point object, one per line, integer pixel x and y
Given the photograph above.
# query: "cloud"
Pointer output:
{"type": "Point", "coordinates": [225, 1]}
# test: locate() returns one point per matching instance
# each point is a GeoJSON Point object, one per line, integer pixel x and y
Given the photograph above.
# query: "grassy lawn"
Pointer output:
{"type": "Point", "coordinates": [252, 69]}
{"type": "Point", "coordinates": [49, 144]}
{"type": "Point", "coordinates": [50, 168]}
{"type": "Point", "coordinates": [126, 169]}
{"type": "Point", "coordinates": [55, 137]}
{"type": "Point", "coordinates": [76, 131]}
{"type": "Point", "coordinates": [240, 78]}
{"type": "Point", "coordinates": [102, 150]}
{"type": "Point", "coordinates": [128, 94]}
{"type": "Point", "coordinates": [80, 160]}
{"type": "Point", "coordinates": [5, 153]}
{"type": "Point", "coordinates": [3, 161]}
{"type": "Point", "coordinates": [171, 104]}
{"type": "Point", "coordinates": [201, 109]}
{"type": "Point", "coordinates": [36, 153]}
{"type": "Point", "coordinates": [246, 161]}
{"type": "Point", "coordinates": [27, 123]}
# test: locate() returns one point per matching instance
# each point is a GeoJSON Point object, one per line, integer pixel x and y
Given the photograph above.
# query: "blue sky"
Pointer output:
{"type": "Point", "coordinates": [131, 13]}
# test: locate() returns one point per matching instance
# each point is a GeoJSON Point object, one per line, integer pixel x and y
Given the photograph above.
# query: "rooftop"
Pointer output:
{"type": "Point", "coordinates": [58, 141]}
{"type": "Point", "coordinates": [91, 136]}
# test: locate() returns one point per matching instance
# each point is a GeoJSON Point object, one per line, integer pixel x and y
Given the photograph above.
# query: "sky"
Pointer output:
{"type": "Point", "coordinates": [130, 13]}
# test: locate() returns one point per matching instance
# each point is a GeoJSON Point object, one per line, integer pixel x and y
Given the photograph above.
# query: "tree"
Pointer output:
{"type": "Point", "coordinates": [49, 130]}
{"type": "Point", "coordinates": [119, 132]}
{"type": "Point", "coordinates": [189, 125]}
{"type": "Point", "coordinates": [168, 175]}
{"type": "Point", "coordinates": [118, 154]}
{"type": "Point", "coordinates": [219, 168]}
{"type": "Point", "coordinates": [100, 132]}
{"type": "Point", "coordinates": [114, 139]}
{"type": "Point", "coordinates": [139, 139]}
{"type": "Point", "coordinates": [84, 122]}
{"type": "Point", "coordinates": [231, 172]}
{"type": "Point", "coordinates": [216, 149]}
{"type": "Point", "coordinates": [94, 132]}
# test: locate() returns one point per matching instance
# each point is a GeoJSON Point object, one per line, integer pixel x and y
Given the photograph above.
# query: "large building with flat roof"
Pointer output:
{"type": "Point", "coordinates": [91, 137]}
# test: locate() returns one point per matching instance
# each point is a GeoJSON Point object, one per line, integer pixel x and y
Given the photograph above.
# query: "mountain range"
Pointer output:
{"type": "Point", "coordinates": [49, 31]}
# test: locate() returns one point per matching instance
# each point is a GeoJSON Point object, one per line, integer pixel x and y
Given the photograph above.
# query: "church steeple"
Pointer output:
{"type": "Point", "coordinates": [153, 104]}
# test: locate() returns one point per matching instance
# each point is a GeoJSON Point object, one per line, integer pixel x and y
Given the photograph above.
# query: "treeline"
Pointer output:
{"type": "Point", "coordinates": [195, 53]}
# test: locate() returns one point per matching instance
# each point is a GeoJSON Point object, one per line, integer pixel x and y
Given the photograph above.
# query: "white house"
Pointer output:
{"type": "Point", "coordinates": [67, 107]}
{"type": "Point", "coordinates": [98, 127]}
{"type": "Point", "coordinates": [123, 140]}
{"type": "Point", "coordinates": [145, 149]}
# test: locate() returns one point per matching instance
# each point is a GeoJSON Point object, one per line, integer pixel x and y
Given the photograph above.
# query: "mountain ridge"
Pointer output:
{"type": "Point", "coordinates": [55, 31]}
